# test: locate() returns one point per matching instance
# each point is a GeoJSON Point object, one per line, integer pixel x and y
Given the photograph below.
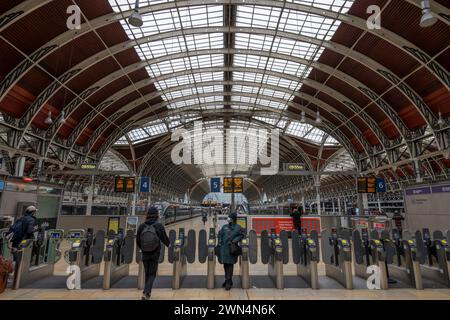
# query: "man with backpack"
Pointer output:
{"type": "Point", "coordinates": [149, 236]}
{"type": "Point", "coordinates": [24, 227]}
{"type": "Point", "coordinates": [204, 217]}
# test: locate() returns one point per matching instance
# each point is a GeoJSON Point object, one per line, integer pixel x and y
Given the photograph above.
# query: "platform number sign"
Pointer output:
{"type": "Point", "coordinates": [381, 185]}
{"type": "Point", "coordinates": [215, 184]}
{"type": "Point", "coordinates": [144, 185]}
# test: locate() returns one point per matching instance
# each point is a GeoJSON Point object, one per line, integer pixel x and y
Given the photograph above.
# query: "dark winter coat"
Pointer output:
{"type": "Point", "coordinates": [229, 233]}
{"type": "Point", "coordinates": [160, 232]}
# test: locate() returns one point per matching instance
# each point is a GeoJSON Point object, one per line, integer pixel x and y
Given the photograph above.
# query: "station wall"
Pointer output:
{"type": "Point", "coordinates": [95, 222]}
{"type": "Point", "coordinates": [427, 207]}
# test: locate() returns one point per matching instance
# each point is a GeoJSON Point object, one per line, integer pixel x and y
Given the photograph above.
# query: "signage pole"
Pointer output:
{"type": "Point", "coordinates": [133, 208]}
{"type": "Point", "coordinates": [90, 198]}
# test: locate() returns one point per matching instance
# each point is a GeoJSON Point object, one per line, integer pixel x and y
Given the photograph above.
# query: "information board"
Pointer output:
{"type": "Point", "coordinates": [113, 224]}
{"type": "Point", "coordinates": [228, 185]}
{"type": "Point", "coordinates": [124, 184]}
{"type": "Point", "coordinates": [371, 185]}
{"type": "Point", "coordinates": [362, 185]}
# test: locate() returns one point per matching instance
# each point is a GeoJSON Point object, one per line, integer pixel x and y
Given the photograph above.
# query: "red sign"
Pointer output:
{"type": "Point", "coordinates": [379, 225]}
{"type": "Point", "coordinates": [283, 223]}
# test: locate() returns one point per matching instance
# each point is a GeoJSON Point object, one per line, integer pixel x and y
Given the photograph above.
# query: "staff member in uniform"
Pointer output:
{"type": "Point", "coordinates": [296, 219]}
{"type": "Point", "coordinates": [230, 233]}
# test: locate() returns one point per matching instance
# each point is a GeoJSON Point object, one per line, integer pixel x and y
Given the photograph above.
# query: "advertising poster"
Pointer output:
{"type": "Point", "coordinates": [132, 224]}
{"type": "Point", "coordinates": [113, 224]}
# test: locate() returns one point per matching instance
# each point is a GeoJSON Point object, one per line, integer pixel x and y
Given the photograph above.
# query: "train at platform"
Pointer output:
{"type": "Point", "coordinates": [275, 208]}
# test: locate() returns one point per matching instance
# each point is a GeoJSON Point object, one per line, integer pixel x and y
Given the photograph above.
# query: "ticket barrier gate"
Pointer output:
{"type": "Point", "coordinates": [368, 252]}
{"type": "Point", "coordinates": [32, 267]}
{"type": "Point", "coordinates": [5, 250]}
{"type": "Point", "coordinates": [249, 246]}
{"type": "Point", "coordinates": [206, 253]}
{"type": "Point", "coordinates": [434, 255]}
{"type": "Point", "coordinates": [181, 253]}
{"type": "Point", "coordinates": [306, 255]}
{"type": "Point", "coordinates": [337, 256]}
{"type": "Point", "coordinates": [403, 263]}
{"type": "Point", "coordinates": [86, 251]}
{"type": "Point", "coordinates": [118, 256]}
{"type": "Point", "coordinates": [275, 253]}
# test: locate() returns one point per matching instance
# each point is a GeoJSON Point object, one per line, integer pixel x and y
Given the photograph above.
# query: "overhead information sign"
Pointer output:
{"type": "Point", "coordinates": [371, 185]}
{"type": "Point", "coordinates": [381, 185]}
{"type": "Point", "coordinates": [88, 166]}
{"type": "Point", "coordinates": [294, 167]}
{"type": "Point", "coordinates": [228, 185]}
{"type": "Point", "coordinates": [362, 185]}
{"type": "Point", "coordinates": [124, 184]}
{"type": "Point", "coordinates": [215, 184]}
{"type": "Point", "coordinates": [144, 185]}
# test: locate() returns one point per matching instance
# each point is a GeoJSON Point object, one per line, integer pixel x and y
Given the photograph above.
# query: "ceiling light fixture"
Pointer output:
{"type": "Point", "coordinates": [49, 120]}
{"type": "Point", "coordinates": [428, 17]}
{"type": "Point", "coordinates": [136, 18]}
{"type": "Point", "coordinates": [440, 119]}
{"type": "Point", "coordinates": [62, 118]}
{"type": "Point", "coordinates": [318, 118]}
{"type": "Point", "coordinates": [303, 119]}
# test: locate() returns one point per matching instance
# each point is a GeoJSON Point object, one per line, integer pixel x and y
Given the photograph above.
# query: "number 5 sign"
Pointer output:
{"type": "Point", "coordinates": [215, 184]}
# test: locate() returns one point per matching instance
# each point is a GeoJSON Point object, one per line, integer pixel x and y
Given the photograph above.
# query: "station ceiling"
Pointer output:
{"type": "Point", "coordinates": [382, 94]}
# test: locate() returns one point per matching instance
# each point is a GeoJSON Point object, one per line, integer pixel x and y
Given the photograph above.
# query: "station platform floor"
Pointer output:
{"type": "Point", "coordinates": [53, 288]}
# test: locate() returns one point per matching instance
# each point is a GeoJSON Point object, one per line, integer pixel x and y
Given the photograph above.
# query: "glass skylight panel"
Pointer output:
{"type": "Point", "coordinates": [281, 82]}
{"type": "Point", "coordinates": [122, 141]}
{"type": "Point", "coordinates": [298, 129]}
{"type": "Point", "coordinates": [271, 104]}
{"type": "Point", "coordinates": [210, 99]}
{"type": "Point", "coordinates": [124, 5]}
{"type": "Point", "coordinates": [250, 61]}
{"type": "Point", "coordinates": [253, 41]}
{"type": "Point", "coordinates": [257, 17]}
{"type": "Point", "coordinates": [208, 76]}
{"type": "Point", "coordinates": [341, 6]}
{"type": "Point", "coordinates": [137, 134]}
{"type": "Point", "coordinates": [173, 82]}
{"type": "Point", "coordinates": [112, 162]}
{"type": "Point", "coordinates": [247, 76]}
{"type": "Point", "coordinates": [246, 89]}
{"type": "Point", "coordinates": [331, 141]}
{"type": "Point", "coordinates": [315, 135]}
{"type": "Point", "coordinates": [156, 129]}
{"type": "Point", "coordinates": [276, 93]}
{"type": "Point", "coordinates": [209, 89]}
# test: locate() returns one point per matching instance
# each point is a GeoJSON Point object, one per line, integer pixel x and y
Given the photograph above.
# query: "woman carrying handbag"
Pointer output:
{"type": "Point", "coordinates": [228, 248]}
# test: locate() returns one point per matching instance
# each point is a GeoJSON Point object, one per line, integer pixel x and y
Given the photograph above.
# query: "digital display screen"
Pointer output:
{"type": "Point", "coordinates": [124, 184]}
{"type": "Point", "coordinates": [228, 185]}
{"type": "Point", "coordinates": [74, 235]}
{"type": "Point", "coordinates": [371, 185]}
{"type": "Point", "coordinates": [56, 235]}
{"type": "Point", "coordinates": [362, 185]}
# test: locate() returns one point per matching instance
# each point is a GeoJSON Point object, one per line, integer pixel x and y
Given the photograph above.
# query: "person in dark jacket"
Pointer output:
{"type": "Point", "coordinates": [204, 217]}
{"type": "Point", "coordinates": [296, 219]}
{"type": "Point", "coordinates": [150, 259]}
{"type": "Point", "coordinates": [230, 232]}
{"type": "Point", "coordinates": [28, 226]}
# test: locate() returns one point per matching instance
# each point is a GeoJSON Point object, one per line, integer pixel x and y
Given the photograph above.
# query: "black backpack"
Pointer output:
{"type": "Point", "coordinates": [149, 239]}
{"type": "Point", "coordinates": [15, 233]}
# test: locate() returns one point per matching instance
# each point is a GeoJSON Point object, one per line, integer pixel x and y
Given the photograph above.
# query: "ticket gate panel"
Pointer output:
{"type": "Point", "coordinates": [421, 249]}
{"type": "Point", "coordinates": [128, 247]}
{"type": "Point", "coordinates": [172, 238]}
{"type": "Point", "coordinates": [296, 248]}
{"type": "Point", "coordinates": [327, 249]}
{"type": "Point", "coordinates": [191, 246]}
{"type": "Point", "coordinates": [202, 246]}
{"type": "Point", "coordinates": [374, 235]}
{"type": "Point", "coordinates": [252, 247]}
{"type": "Point", "coordinates": [285, 245]}
{"type": "Point", "coordinates": [162, 253]}
{"type": "Point", "coordinates": [98, 247]}
{"type": "Point", "coordinates": [389, 246]}
{"type": "Point", "coordinates": [358, 247]}
{"type": "Point", "coordinates": [265, 247]}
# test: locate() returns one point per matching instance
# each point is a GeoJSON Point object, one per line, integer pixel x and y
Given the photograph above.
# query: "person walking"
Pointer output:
{"type": "Point", "coordinates": [149, 236]}
{"type": "Point", "coordinates": [296, 219]}
{"type": "Point", "coordinates": [204, 217]}
{"type": "Point", "coordinates": [228, 248]}
{"type": "Point", "coordinates": [24, 228]}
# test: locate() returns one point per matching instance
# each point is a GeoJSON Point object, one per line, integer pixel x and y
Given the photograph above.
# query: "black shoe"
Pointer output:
{"type": "Point", "coordinates": [224, 284]}
{"type": "Point", "coordinates": [146, 296]}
